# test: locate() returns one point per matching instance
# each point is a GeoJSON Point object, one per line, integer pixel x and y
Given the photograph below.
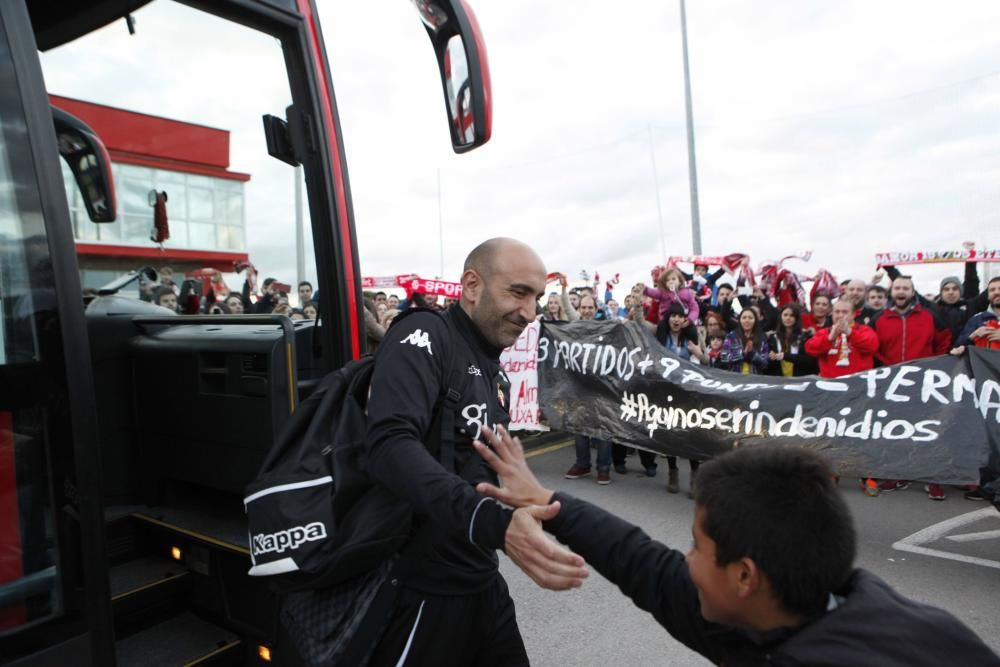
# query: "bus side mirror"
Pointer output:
{"type": "Point", "coordinates": [90, 163]}
{"type": "Point", "coordinates": [465, 72]}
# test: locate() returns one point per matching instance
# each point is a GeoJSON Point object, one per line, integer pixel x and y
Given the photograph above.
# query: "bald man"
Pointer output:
{"type": "Point", "coordinates": [455, 609]}
{"type": "Point", "coordinates": [855, 291]}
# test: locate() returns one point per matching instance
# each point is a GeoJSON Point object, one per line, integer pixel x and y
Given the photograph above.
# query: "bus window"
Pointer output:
{"type": "Point", "coordinates": [185, 124]}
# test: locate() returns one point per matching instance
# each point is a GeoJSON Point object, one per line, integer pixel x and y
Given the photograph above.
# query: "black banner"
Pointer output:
{"type": "Point", "coordinates": [934, 420]}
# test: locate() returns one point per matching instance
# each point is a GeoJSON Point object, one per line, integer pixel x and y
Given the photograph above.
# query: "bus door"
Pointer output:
{"type": "Point", "coordinates": [51, 539]}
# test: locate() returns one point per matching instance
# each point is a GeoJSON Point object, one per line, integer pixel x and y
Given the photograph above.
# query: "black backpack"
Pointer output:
{"type": "Point", "coordinates": [315, 518]}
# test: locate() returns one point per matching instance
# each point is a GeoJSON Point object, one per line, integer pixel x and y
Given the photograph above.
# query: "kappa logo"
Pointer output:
{"type": "Point", "coordinates": [291, 538]}
{"type": "Point", "coordinates": [474, 370]}
{"type": "Point", "coordinates": [420, 339]}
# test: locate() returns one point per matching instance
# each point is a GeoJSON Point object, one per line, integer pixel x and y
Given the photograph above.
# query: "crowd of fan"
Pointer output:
{"type": "Point", "coordinates": [188, 299]}
{"type": "Point", "coordinates": [855, 327]}
{"type": "Point", "coordinates": [380, 308]}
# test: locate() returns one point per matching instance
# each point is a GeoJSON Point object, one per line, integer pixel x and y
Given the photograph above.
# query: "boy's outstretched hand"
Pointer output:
{"type": "Point", "coordinates": [520, 487]}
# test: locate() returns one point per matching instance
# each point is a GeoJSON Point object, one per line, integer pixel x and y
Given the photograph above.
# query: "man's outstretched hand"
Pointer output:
{"type": "Point", "coordinates": [520, 487]}
{"type": "Point", "coordinates": [548, 564]}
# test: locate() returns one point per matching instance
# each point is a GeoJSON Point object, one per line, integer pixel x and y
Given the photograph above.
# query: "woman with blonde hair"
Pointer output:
{"type": "Point", "coordinates": [553, 310]}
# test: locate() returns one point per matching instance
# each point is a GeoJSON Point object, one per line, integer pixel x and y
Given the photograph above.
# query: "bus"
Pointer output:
{"type": "Point", "coordinates": [128, 432]}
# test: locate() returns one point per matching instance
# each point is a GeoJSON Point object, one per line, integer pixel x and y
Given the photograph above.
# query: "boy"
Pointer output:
{"type": "Point", "coordinates": [165, 298]}
{"type": "Point", "coordinates": [770, 576]}
{"type": "Point", "coordinates": [715, 340]}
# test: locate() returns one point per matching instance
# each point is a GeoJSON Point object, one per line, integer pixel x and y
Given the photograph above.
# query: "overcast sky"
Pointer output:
{"type": "Point", "coordinates": [844, 128]}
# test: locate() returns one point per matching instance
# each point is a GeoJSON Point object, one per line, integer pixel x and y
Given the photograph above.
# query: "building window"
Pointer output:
{"type": "Point", "coordinates": [204, 213]}
{"type": "Point", "coordinates": [200, 204]}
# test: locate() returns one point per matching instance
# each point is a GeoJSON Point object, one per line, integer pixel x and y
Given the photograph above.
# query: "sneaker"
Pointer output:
{"type": "Point", "coordinates": [893, 485]}
{"type": "Point", "coordinates": [974, 494]}
{"type": "Point", "coordinates": [651, 471]}
{"type": "Point", "coordinates": [577, 471]}
{"type": "Point", "coordinates": [603, 477]}
{"type": "Point", "coordinates": [935, 492]}
{"type": "Point", "coordinates": [621, 469]}
{"type": "Point", "coordinates": [870, 487]}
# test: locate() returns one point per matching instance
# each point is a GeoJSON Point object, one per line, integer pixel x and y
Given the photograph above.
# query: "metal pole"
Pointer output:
{"type": "Point", "coordinates": [692, 167]}
{"type": "Point", "coordinates": [300, 234]}
{"type": "Point", "coordinates": [656, 186]}
{"type": "Point", "coordinates": [440, 227]}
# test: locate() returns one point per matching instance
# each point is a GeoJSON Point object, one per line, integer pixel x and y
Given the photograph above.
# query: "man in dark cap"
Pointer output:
{"type": "Point", "coordinates": [953, 308]}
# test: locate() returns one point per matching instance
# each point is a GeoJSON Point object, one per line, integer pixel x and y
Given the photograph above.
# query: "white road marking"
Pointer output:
{"type": "Point", "coordinates": [914, 542]}
{"type": "Point", "coordinates": [974, 537]}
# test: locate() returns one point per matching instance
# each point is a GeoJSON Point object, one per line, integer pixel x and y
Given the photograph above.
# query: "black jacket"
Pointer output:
{"type": "Point", "coordinates": [410, 369]}
{"type": "Point", "coordinates": [873, 624]}
{"type": "Point", "coordinates": [954, 316]}
{"type": "Point", "coordinates": [802, 363]}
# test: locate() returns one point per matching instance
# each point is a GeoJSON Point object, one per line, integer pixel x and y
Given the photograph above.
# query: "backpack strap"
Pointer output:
{"type": "Point", "coordinates": [454, 387]}
{"type": "Point", "coordinates": [441, 441]}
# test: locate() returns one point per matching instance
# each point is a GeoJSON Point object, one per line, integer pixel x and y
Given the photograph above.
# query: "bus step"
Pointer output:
{"type": "Point", "coordinates": [145, 590]}
{"type": "Point", "coordinates": [184, 639]}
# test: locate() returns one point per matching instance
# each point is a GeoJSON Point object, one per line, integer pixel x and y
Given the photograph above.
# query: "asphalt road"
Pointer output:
{"type": "Point", "coordinates": [597, 625]}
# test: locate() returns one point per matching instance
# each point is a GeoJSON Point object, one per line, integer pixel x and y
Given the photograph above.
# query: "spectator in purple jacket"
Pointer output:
{"type": "Point", "coordinates": [745, 349]}
{"type": "Point", "coordinates": [669, 289]}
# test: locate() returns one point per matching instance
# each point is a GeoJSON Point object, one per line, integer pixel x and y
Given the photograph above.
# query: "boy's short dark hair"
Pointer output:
{"type": "Point", "coordinates": [728, 286]}
{"type": "Point", "coordinates": [875, 288]}
{"type": "Point", "coordinates": [716, 335]}
{"type": "Point", "coordinates": [305, 282]}
{"type": "Point", "coordinates": [779, 507]}
{"type": "Point", "coordinates": [163, 290]}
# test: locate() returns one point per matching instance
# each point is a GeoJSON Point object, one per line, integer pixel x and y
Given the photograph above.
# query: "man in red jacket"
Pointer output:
{"type": "Point", "coordinates": [846, 347]}
{"type": "Point", "coordinates": [906, 331]}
